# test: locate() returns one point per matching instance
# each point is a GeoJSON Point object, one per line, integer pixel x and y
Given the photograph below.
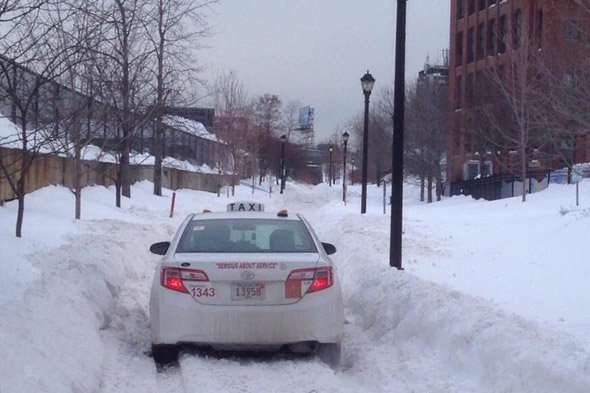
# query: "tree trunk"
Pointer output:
{"type": "Point", "coordinates": [118, 188]}
{"type": "Point", "coordinates": [422, 186]}
{"type": "Point", "coordinates": [21, 205]}
{"type": "Point", "coordinates": [429, 189]}
{"type": "Point", "coordinates": [523, 172]}
{"type": "Point", "coordinates": [124, 179]}
{"type": "Point", "coordinates": [78, 183]}
{"type": "Point", "coordinates": [158, 157]}
{"type": "Point", "coordinates": [159, 102]}
{"type": "Point", "coordinates": [438, 187]}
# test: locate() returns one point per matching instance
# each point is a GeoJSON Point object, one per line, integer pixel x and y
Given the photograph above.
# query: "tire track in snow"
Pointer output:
{"type": "Point", "coordinates": [262, 373]}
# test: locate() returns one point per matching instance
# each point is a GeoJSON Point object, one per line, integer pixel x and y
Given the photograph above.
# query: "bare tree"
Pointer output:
{"type": "Point", "coordinates": [230, 101]}
{"type": "Point", "coordinates": [174, 29]}
{"type": "Point", "coordinates": [290, 119]}
{"type": "Point", "coordinates": [120, 72]}
{"type": "Point", "coordinates": [566, 99]}
{"type": "Point", "coordinates": [427, 124]}
{"type": "Point", "coordinates": [28, 87]}
{"type": "Point", "coordinates": [12, 11]}
{"type": "Point", "coordinates": [266, 122]}
{"type": "Point", "coordinates": [511, 109]}
{"type": "Point", "coordinates": [379, 137]}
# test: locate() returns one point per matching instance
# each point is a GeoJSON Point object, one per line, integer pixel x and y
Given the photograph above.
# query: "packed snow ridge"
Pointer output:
{"type": "Point", "coordinates": [492, 299]}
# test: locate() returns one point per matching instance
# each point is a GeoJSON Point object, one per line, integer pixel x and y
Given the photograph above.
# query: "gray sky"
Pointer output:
{"type": "Point", "coordinates": [316, 51]}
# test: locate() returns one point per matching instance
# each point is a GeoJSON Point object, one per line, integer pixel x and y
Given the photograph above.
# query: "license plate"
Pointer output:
{"type": "Point", "coordinates": [249, 291]}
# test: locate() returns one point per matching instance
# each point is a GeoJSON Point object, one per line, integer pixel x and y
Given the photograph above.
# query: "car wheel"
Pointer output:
{"type": "Point", "coordinates": [164, 354]}
{"type": "Point", "coordinates": [330, 354]}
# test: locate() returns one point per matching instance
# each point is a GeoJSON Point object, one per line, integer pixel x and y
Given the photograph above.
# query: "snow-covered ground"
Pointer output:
{"type": "Point", "coordinates": [493, 298]}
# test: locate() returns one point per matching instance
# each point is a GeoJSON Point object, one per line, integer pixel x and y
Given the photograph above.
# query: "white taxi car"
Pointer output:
{"type": "Point", "coordinates": [246, 279]}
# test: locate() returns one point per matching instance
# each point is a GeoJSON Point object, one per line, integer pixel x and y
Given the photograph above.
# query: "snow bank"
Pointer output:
{"type": "Point", "coordinates": [50, 325]}
{"type": "Point", "coordinates": [503, 353]}
{"type": "Point", "coordinates": [76, 318]}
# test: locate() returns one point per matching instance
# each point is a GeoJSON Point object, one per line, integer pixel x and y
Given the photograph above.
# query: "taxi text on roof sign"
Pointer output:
{"type": "Point", "coordinates": [245, 206]}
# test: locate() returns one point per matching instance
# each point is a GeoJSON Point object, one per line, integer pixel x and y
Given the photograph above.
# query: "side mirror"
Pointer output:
{"type": "Point", "coordinates": [160, 248]}
{"type": "Point", "coordinates": [329, 248]}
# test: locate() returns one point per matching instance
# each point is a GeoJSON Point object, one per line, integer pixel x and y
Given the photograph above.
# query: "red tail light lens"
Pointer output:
{"type": "Point", "coordinates": [173, 278]}
{"type": "Point", "coordinates": [323, 279]}
{"type": "Point", "coordinates": [308, 281]}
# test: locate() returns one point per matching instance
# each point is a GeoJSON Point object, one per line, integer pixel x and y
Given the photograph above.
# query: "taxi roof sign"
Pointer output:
{"type": "Point", "coordinates": [245, 206]}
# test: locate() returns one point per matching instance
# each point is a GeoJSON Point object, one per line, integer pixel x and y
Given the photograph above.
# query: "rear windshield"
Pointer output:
{"type": "Point", "coordinates": [246, 236]}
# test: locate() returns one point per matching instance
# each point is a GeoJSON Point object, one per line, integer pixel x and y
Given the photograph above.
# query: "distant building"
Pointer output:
{"type": "Point", "coordinates": [187, 131]}
{"type": "Point", "coordinates": [481, 32]}
{"type": "Point", "coordinates": [434, 74]}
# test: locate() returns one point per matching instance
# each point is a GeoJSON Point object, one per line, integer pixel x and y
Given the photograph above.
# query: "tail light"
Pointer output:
{"type": "Point", "coordinates": [308, 281]}
{"type": "Point", "coordinates": [174, 278]}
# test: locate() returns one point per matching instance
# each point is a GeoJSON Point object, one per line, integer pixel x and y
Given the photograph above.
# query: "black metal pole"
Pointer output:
{"type": "Point", "coordinates": [397, 158]}
{"type": "Point", "coordinates": [282, 167]}
{"type": "Point", "coordinates": [365, 155]}
{"type": "Point", "coordinates": [344, 174]}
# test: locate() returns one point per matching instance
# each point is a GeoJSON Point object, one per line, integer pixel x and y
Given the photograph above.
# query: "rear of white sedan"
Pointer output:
{"type": "Point", "coordinates": [246, 280]}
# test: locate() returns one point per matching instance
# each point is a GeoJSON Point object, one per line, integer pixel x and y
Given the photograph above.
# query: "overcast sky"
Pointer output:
{"type": "Point", "coordinates": [316, 51]}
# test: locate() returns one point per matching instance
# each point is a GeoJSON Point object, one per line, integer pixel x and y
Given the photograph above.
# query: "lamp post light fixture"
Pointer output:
{"type": "Point", "coordinates": [345, 137]}
{"type": "Point", "coordinates": [283, 140]}
{"type": "Point", "coordinates": [367, 83]}
{"type": "Point", "coordinates": [331, 177]}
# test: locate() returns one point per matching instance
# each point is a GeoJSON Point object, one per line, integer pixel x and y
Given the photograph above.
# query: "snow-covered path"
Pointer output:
{"type": "Point", "coordinates": [366, 365]}
{"type": "Point", "coordinates": [77, 319]}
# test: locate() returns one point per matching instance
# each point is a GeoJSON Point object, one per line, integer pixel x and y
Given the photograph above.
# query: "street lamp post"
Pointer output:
{"type": "Point", "coordinates": [397, 156]}
{"type": "Point", "coordinates": [367, 83]}
{"type": "Point", "coordinates": [330, 180]}
{"type": "Point", "coordinates": [345, 137]}
{"type": "Point", "coordinates": [283, 140]}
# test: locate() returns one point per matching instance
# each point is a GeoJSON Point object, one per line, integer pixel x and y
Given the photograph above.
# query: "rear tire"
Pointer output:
{"type": "Point", "coordinates": [164, 355]}
{"type": "Point", "coordinates": [330, 354]}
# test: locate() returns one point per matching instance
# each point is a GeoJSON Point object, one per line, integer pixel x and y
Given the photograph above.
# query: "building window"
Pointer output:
{"type": "Point", "coordinates": [470, 7]}
{"type": "Point", "coordinates": [492, 38]}
{"type": "Point", "coordinates": [569, 80]}
{"type": "Point", "coordinates": [481, 5]}
{"type": "Point", "coordinates": [539, 27]}
{"type": "Point", "coordinates": [470, 89]}
{"type": "Point", "coordinates": [503, 34]}
{"type": "Point", "coordinates": [571, 30]}
{"type": "Point", "coordinates": [459, 48]}
{"type": "Point", "coordinates": [471, 45]}
{"type": "Point", "coordinates": [460, 9]}
{"type": "Point", "coordinates": [470, 170]}
{"type": "Point", "coordinates": [517, 29]}
{"type": "Point", "coordinates": [459, 93]}
{"type": "Point", "coordinates": [481, 41]}
{"type": "Point", "coordinates": [501, 73]}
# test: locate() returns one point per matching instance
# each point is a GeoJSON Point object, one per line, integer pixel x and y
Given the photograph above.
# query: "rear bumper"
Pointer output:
{"type": "Point", "coordinates": [178, 318]}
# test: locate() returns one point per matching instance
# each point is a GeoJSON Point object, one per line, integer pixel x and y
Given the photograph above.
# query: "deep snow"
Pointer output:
{"type": "Point", "coordinates": [493, 298]}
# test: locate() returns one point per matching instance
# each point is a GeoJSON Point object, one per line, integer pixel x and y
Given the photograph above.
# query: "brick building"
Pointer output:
{"type": "Point", "coordinates": [481, 34]}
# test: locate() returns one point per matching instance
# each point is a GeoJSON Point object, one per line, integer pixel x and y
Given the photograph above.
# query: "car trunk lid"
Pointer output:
{"type": "Point", "coordinates": [249, 279]}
